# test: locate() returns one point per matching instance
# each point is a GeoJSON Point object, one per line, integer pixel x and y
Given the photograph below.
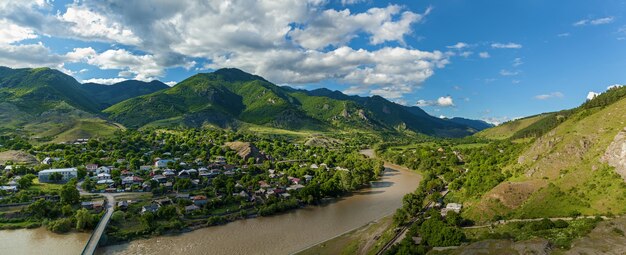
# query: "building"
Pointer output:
{"type": "Point", "coordinates": [451, 207]}
{"type": "Point", "coordinates": [162, 163]}
{"type": "Point", "coordinates": [103, 169]}
{"type": "Point", "coordinates": [66, 173]}
{"type": "Point", "coordinates": [91, 167]}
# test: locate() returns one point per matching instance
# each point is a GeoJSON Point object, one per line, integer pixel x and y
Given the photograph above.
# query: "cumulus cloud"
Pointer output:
{"type": "Point", "coordinates": [594, 22]}
{"type": "Point", "coordinates": [549, 96]}
{"type": "Point", "coordinates": [446, 101]}
{"type": "Point", "coordinates": [484, 54]}
{"type": "Point", "coordinates": [592, 95]}
{"type": "Point", "coordinates": [337, 28]}
{"type": "Point", "coordinates": [517, 62]}
{"type": "Point", "coordinates": [105, 81]}
{"type": "Point", "coordinates": [286, 41]}
{"type": "Point", "coordinates": [11, 32]}
{"type": "Point", "coordinates": [506, 45]}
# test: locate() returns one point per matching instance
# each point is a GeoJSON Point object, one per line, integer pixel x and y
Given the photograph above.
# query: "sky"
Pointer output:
{"type": "Point", "coordinates": [479, 59]}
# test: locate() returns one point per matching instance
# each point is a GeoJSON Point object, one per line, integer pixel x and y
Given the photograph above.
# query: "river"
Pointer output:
{"type": "Point", "coordinates": [280, 234]}
{"type": "Point", "coordinates": [285, 233]}
{"type": "Point", "coordinates": [41, 241]}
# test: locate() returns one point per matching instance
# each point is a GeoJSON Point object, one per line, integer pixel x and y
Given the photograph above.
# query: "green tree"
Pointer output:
{"type": "Point", "coordinates": [26, 181]}
{"type": "Point", "coordinates": [83, 219]}
{"type": "Point", "coordinates": [69, 194]}
{"type": "Point", "coordinates": [55, 177]}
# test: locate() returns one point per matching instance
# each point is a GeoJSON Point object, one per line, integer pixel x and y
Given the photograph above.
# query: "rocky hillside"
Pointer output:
{"type": "Point", "coordinates": [571, 169]}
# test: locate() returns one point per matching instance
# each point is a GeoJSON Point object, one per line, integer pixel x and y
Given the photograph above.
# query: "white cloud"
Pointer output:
{"type": "Point", "coordinates": [517, 62]}
{"type": "Point", "coordinates": [446, 101]}
{"type": "Point", "coordinates": [350, 2]}
{"type": "Point", "coordinates": [506, 45]}
{"type": "Point", "coordinates": [592, 95]}
{"type": "Point", "coordinates": [11, 32]}
{"type": "Point", "coordinates": [615, 86]}
{"type": "Point", "coordinates": [509, 73]}
{"type": "Point", "coordinates": [337, 28]}
{"type": "Point", "coordinates": [466, 54]}
{"type": "Point", "coordinates": [549, 96]}
{"type": "Point", "coordinates": [498, 120]}
{"type": "Point", "coordinates": [458, 46]}
{"type": "Point", "coordinates": [170, 83]}
{"type": "Point", "coordinates": [484, 54]}
{"type": "Point", "coordinates": [105, 81]}
{"type": "Point", "coordinates": [595, 22]}
{"type": "Point", "coordinates": [88, 24]}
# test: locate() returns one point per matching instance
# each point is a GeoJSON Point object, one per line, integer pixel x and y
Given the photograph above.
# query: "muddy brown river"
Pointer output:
{"type": "Point", "coordinates": [281, 234]}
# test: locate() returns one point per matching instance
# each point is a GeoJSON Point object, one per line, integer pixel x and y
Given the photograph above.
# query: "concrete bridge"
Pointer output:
{"type": "Point", "coordinates": [94, 239]}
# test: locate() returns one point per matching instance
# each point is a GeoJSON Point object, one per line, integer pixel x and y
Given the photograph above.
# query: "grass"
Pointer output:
{"type": "Point", "coordinates": [358, 241]}
{"type": "Point", "coordinates": [520, 231]}
{"type": "Point", "coordinates": [508, 129]}
{"type": "Point", "coordinates": [45, 187]}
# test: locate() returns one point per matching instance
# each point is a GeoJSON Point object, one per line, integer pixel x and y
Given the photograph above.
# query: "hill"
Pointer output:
{"type": "Point", "coordinates": [475, 124]}
{"type": "Point", "coordinates": [231, 97]}
{"type": "Point", "coordinates": [108, 95]}
{"type": "Point", "coordinates": [508, 129]}
{"type": "Point", "coordinates": [48, 105]}
{"type": "Point", "coordinates": [573, 166]}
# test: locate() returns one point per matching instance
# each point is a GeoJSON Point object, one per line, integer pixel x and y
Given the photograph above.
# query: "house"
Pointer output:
{"type": "Point", "coordinates": [103, 169]}
{"type": "Point", "coordinates": [314, 166]}
{"type": "Point", "coordinates": [183, 174]}
{"type": "Point", "coordinates": [152, 208]}
{"type": "Point", "coordinates": [294, 180]}
{"type": "Point", "coordinates": [105, 181]}
{"type": "Point", "coordinates": [103, 176]}
{"type": "Point", "coordinates": [199, 200]}
{"type": "Point", "coordinates": [295, 187]}
{"type": "Point", "coordinates": [191, 208]}
{"type": "Point", "coordinates": [308, 178]}
{"type": "Point", "coordinates": [9, 188]}
{"type": "Point", "coordinates": [451, 207]}
{"type": "Point", "coordinates": [220, 160]}
{"type": "Point", "coordinates": [242, 194]}
{"type": "Point", "coordinates": [145, 168]}
{"type": "Point", "coordinates": [163, 201]}
{"type": "Point", "coordinates": [66, 174]}
{"type": "Point", "coordinates": [182, 196]}
{"type": "Point", "coordinates": [132, 180]}
{"type": "Point", "coordinates": [159, 178]}
{"type": "Point", "coordinates": [46, 161]}
{"type": "Point", "coordinates": [8, 168]}
{"type": "Point", "coordinates": [126, 173]}
{"type": "Point", "coordinates": [95, 205]}
{"type": "Point", "coordinates": [162, 163]}
{"type": "Point", "coordinates": [169, 173]}
{"type": "Point", "coordinates": [122, 205]}
{"type": "Point", "coordinates": [91, 167]}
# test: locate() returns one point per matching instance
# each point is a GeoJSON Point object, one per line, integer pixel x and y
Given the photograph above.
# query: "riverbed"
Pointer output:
{"type": "Point", "coordinates": [289, 232]}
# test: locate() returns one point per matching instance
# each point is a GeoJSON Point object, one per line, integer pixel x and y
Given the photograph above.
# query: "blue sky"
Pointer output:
{"type": "Point", "coordinates": [491, 60]}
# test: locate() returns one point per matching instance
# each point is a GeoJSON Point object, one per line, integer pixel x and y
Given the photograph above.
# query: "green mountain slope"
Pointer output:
{"type": "Point", "coordinates": [575, 167]}
{"type": "Point", "coordinates": [108, 95]}
{"type": "Point", "coordinates": [48, 105]}
{"type": "Point", "coordinates": [229, 97]}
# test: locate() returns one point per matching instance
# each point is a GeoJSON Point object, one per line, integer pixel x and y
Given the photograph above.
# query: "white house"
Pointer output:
{"type": "Point", "coordinates": [103, 169]}
{"type": "Point", "coordinates": [66, 173]}
{"type": "Point", "coordinates": [103, 176]}
{"type": "Point", "coordinates": [162, 163]}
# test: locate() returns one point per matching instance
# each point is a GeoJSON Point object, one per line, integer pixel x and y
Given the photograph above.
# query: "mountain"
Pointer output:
{"type": "Point", "coordinates": [108, 95]}
{"type": "Point", "coordinates": [49, 105]}
{"type": "Point", "coordinates": [572, 163]}
{"type": "Point", "coordinates": [231, 97]}
{"type": "Point", "coordinates": [475, 124]}
{"type": "Point", "coordinates": [35, 91]}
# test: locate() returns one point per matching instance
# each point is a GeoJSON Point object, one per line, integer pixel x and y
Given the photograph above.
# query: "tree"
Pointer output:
{"type": "Point", "coordinates": [69, 194]}
{"type": "Point", "coordinates": [26, 181]}
{"type": "Point", "coordinates": [83, 219]}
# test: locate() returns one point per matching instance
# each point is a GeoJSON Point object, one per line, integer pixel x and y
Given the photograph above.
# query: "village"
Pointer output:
{"type": "Point", "coordinates": [184, 187]}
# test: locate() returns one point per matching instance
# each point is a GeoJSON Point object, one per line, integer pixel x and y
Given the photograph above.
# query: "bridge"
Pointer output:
{"type": "Point", "coordinates": [94, 239]}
